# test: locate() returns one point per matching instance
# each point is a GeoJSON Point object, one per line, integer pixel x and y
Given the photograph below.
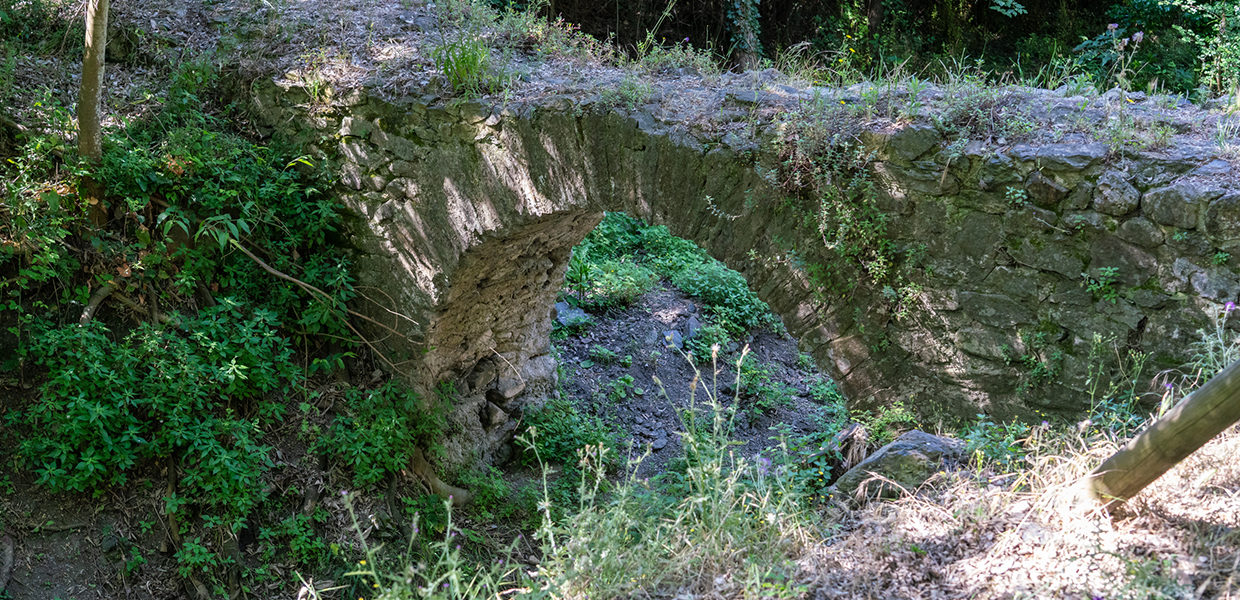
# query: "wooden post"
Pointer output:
{"type": "Point", "coordinates": [1199, 417]}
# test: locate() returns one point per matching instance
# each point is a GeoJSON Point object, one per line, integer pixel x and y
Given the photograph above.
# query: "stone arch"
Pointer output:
{"type": "Point", "coordinates": [466, 214]}
{"type": "Point", "coordinates": [468, 226]}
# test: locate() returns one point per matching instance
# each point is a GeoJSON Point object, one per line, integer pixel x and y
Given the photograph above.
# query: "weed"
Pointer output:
{"type": "Point", "coordinates": [1220, 258]}
{"type": "Point", "coordinates": [630, 93]}
{"type": "Point", "coordinates": [999, 445]}
{"type": "Point", "coordinates": [380, 431]}
{"type": "Point", "coordinates": [1103, 286]}
{"type": "Point", "coordinates": [562, 430]}
{"type": "Point", "coordinates": [491, 494]}
{"type": "Point", "coordinates": [622, 388]}
{"type": "Point", "coordinates": [1017, 197]}
{"type": "Point", "coordinates": [759, 384]}
{"type": "Point", "coordinates": [599, 355]}
{"type": "Point", "coordinates": [707, 337]}
{"type": "Point", "coordinates": [887, 423]}
{"type": "Point", "coordinates": [683, 536]}
{"type": "Point", "coordinates": [466, 64]}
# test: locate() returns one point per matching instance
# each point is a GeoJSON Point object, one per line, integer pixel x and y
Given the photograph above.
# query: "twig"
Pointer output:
{"type": "Point", "coordinates": [138, 308]}
{"type": "Point", "coordinates": [310, 288]}
{"type": "Point", "coordinates": [96, 299]}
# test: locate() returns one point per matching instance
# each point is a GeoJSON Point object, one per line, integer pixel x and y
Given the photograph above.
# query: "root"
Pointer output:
{"type": "Point", "coordinates": [96, 299]}
{"type": "Point", "coordinates": [423, 470]}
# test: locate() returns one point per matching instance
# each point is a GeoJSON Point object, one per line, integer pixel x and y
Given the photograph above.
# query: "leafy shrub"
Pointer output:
{"type": "Point", "coordinates": [887, 423]}
{"type": "Point", "coordinates": [615, 283]}
{"type": "Point", "coordinates": [492, 495]}
{"type": "Point", "coordinates": [562, 430]}
{"type": "Point", "coordinates": [759, 385]}
{"type": "Point", "coordinates": [808, 460]}
{"type": "Point", "coordinates": [997, 444]}
{"type": "Point", "coordinates": [380, 431]}
{"type": "Point", "coordinates": [108, 406]}
{"type": "Point", "coordinates": [709, 335]}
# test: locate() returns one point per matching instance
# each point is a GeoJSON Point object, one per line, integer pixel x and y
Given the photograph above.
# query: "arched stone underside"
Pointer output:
{"type": "Point", "coordinates": [466, 217]}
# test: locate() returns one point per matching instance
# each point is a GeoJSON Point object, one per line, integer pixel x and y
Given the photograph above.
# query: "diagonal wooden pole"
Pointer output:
{"type": "Point", "coordinates": [1199, 417]}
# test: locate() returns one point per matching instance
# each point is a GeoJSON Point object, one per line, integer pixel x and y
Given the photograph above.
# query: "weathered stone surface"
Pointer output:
{"type": "Point", "coordinates": [1141, 232]}
{"type": "Point", "coordinates": [465, 217]}
{"type": "Point", "coordinates": [569, 316]}
{"type": "Point", "coordinates": [1178, 204]}
{"type": "Point", "coordinates": [1113, 195]}
{"type": "Point", "coordinates": [1061, 157]}
{"type": "Point", "coordinates": [907, 462]}
{"type": "Point", "coordinates": [1045, 191]}
{"type": "Point", "coordinates": [915, 140]}
{"type": "Point", "coordinates": [1222, 222]}
{"type": "Point", "coordinates": [995, 309]}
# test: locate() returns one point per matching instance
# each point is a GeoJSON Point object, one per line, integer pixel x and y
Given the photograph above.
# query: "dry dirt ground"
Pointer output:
{"type": "Point", "coordinates": [652, 419]}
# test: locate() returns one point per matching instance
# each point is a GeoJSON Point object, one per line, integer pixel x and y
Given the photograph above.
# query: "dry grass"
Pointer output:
{"type": "Point", "coordinates": [986, 535]}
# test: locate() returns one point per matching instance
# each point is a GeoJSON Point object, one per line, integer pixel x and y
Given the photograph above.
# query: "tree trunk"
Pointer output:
{"type": "Point", "coordinates": [746, 44]}
{"type": "Point", "coordinates": [1199, 417]}
{"type": "Point", "coordinates": [90, 133]}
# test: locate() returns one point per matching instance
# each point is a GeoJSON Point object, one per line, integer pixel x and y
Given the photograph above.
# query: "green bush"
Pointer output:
{"type": "Point", "coordinates": [997, 444]}
{"type": "Point", "coordinates": [196, 394]}
{"type": "Point", "coordinates": [562, 430]}
{"type": "Point", "coordinates": [615, 283]}
{"type": "Point", "coordinates": [380, 431]}
{"type": "Point", "coordinates": [622, 258]}
{"type": "Point", "coordinates": [709, 335]}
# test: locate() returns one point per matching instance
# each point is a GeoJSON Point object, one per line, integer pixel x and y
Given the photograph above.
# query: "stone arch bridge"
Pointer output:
{"type": "Point", "coordinates": [466, 214]}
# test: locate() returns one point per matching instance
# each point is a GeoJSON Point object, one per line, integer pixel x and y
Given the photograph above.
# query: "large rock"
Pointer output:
{"type": "Point", "coordinates": [908, 462]}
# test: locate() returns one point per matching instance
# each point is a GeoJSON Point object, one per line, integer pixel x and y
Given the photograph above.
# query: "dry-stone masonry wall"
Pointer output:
{"type": "Point", "coordinates": [1026, 254]}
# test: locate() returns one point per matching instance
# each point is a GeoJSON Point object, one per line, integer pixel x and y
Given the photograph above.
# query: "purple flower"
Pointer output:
{"type": "Point", "coordinates": [1167, 385]}
{"type": "Point", "coordinates": [764, 464]}
{"type": "Point", "coordinates": [686, 40]}
{"type": "Point", "coordinates": [1112, 26]}
{"type": "Point", "coordinates": [1230, 306]}
{"type": "Point", "coordinates": [1045, 423]}
{"type": "Point", "coordinates": [1138, 36]}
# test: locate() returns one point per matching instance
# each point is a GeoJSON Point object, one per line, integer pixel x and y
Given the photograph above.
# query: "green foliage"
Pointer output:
{"type": "Point", "coordinates": [220, 189]}
{"type": "Point", "coordinates": [616, 283]}
{"type": "Point", "coordinates": [300, 535]}
{"type": "Point", "coordinates": [37, 27]}
{"type": "Point", "coordinates": [493, 497]}
{"type": "Point", "coordinates": [623, 387]}
{"type": "Point", "coordinates": [562, 430]}
{"type": "Point", "coordinates": [622, 258]}
{"type": "Point", "coordinates": [631, 93]}
{"type": "Point", "coordinates": [887, 423]}
{"type": "Point", "coordinates": [827, 176]}
{"type": "Point", "coordinates": [681, 533]}
{"type": "Point", "coordinates": [825, 392]}
{"type": "Point", "coordinates": [1001, 445]}
{"type": "Point", "coordinates": [706, 337]}
{"type": "Point", "coordinates": [1040, 360]}
{"type": "Point", "coordinates": [600, 355]}
{"type": "Point", "coordinates": [108, 406]}
{"type": "Point", "coordinates": [1103, 286]}
{"type": "Point", "coordinates": [760, 386]}
{"type": "Point", "coordinates": [380, 430]}
{"type": "Point", "coordinates": [432, 566]}
{"type": "Point", "coordinates": [466, 64]}
{"type": "Point", "coordinates": [429, 512]}
{"type": "Point", "coordinates": [809, 459]}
